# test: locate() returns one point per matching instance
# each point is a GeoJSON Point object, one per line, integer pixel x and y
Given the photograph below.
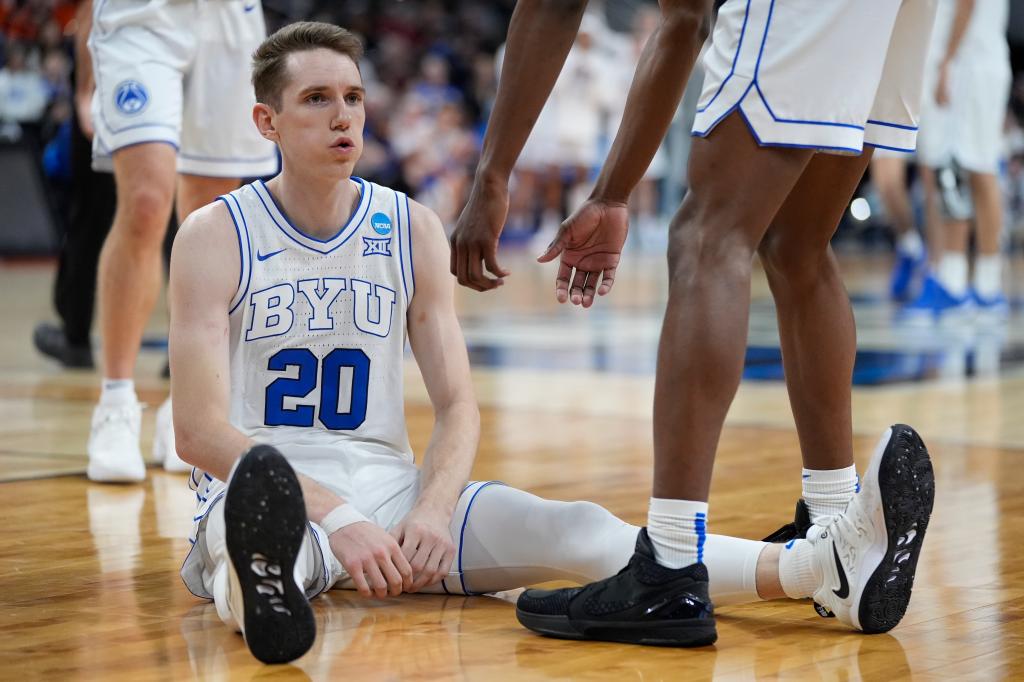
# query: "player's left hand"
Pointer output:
{"type": "Point", "coordinates": [589, 241]}
{"type": "Point", "coordinates": [426, 542]}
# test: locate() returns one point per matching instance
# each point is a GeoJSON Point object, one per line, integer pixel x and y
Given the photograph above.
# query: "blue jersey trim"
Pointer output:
{"type": "Point", "coordinates": [412, 265]}
{"type": "Point", "coordinates": [735, 58]}
{"type": "Point", "coordinates": [892, 149]}
{"type": "Point", "coordinates": [401, 255]}
{"type": "Point", "coordinates": [891, 125]}
{"type": "Point", "coordinates": [767, 106]}
{"type": "Point", "coordinates": [343, 234]}
{"type": "Point", "coordinates": [241, 258]}
{"type": "Point", "coordinates": [245, 255]}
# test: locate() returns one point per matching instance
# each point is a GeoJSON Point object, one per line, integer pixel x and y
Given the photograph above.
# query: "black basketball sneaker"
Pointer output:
{"type": "Point", "coordinates": [644, 603]}
{"type": "Point", "coordinates": [797, 530]}
{"type": "Point", "coordinates": [265, 519]}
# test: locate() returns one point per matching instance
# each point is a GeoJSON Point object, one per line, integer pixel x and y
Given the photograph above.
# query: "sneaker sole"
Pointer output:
{"type": "Point", "coordinates": [265, 518]}
{"type": "Point", "coordinates": [907, 486]}
{"type": "Point", "coordinates": [679, 633]}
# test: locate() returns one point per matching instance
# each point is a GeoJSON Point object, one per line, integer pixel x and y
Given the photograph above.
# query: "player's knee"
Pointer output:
{"type": "Point", "coordinates": [700, 247]}
{"type": "Point", "coordinates": [143, 214]}
{"type": "Point", "coordinates": [792, 261]}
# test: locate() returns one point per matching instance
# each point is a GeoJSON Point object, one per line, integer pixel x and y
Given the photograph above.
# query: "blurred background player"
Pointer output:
{"type": "Point", "coordinates": [960, 150]}
{"type": "Point", "coordinates": [170, 113]}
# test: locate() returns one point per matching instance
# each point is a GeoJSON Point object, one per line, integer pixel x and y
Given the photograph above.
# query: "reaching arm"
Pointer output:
{"type": "Point", "coordinates": [540, 36]}
{"type": "Point", "coordinates": [204, 274]}
{"type": "Point", "coordinates": [440, 351]}
{"type": "Point", "coordinates": [961, 19]}
{"type": "Point", "coordinates": [591, 240]}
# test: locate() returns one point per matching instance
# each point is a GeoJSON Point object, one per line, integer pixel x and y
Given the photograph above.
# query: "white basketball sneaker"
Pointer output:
{"type": "Point", "coordinates": [867, 555]}
{"type": "Point", "coordinates": [114, 454]}
{"type": "Point", "coordinates": [163, 441]}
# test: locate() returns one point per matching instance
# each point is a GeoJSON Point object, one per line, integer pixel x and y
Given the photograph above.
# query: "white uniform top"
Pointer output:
{"type": "Point", "coordinates": [317, 341]}
{"type": "Point", "coordinates": [984, 40]}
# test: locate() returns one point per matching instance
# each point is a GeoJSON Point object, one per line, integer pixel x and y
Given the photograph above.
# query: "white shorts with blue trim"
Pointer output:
{"type": "Point", "coordinates": [178, 72]}
{"type": "Point", "coordinates": [830, 75]}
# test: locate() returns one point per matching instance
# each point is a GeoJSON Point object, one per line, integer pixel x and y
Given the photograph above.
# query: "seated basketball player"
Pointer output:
{"type": "Point", "coordinates": [287, 339]}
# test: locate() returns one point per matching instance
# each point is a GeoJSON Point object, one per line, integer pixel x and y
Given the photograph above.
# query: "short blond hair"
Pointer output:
{"type": "Point", "coordinates": [269, 61]}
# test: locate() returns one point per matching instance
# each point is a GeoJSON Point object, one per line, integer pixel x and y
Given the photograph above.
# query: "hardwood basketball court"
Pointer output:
{"type": "Point", "coordinates": [89, 585]}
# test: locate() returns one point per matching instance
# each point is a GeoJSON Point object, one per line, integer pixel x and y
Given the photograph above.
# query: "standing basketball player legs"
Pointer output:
{"type": "Point", "coordinates": [736, 188]}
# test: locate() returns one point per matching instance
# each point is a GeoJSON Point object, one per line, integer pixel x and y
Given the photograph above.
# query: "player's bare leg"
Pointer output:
{"type": "Point", "coordinates": [130, 263]}
{"type": "Point", "coordinates": [129, 282]}
{"type": "Point", "coordinates": [888, 175]}
{"type": "Point", "coordinates": [988, 213]}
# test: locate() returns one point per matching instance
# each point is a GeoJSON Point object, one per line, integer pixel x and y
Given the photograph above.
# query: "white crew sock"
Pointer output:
{"type": "Point", "coordinates": [118, 392]}
{"type": "Point", "coordinates": [910, 244]}
{"type": "Point", "coordinates": [677, 529]}
{"type": "Point", "coordinates": [828, 491]}
{"type": "Point", "coordinates": [988, 276]}
{"type": "Point", "coordinates": [953, 273]}
{"type": "Point", "coordinates": [796, 570]}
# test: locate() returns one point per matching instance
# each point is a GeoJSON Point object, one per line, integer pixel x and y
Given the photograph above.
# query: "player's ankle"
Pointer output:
{"type": "Point", "coordinates": [677, 529]}
{"type": "Point", "coordinates": [828, 491]}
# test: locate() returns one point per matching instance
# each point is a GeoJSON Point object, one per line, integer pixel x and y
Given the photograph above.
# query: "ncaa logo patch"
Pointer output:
{"type": "Point", "coordinates": [381, 223]}
{"type": "Point", "coordinates": [131, 97]}
{"type": "Point", "coordinates": [376, 247]}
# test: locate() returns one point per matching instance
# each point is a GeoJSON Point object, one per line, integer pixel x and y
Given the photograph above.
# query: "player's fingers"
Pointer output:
{"type": "Point", "coordinates": [359, 580]}
{"type": "Point", "coordinates": [409, 543]}
{"type": "Point", "coordinates": [562, 282]}
{"type": "Point", "coordinates": [588, 289]}
{"type": "Point", "coordinates": [579, 280]}
{"type": "Point", "coordinates": [394, 579]}
{"type": "Point", "coordinates": [467, 256]}
{"type": "Point", "coordinates": [476, 272]}
{"type": "Point", "coordinates": [491, 260]}
{"type": "Point", "coordinates": [376, 580]}
{"type": "Point", "coordinates": [607, 282]}
{"type": "Point", "coordinates": [429, 575]}
{"type": "Point", "coordinates": [402, 566]}
{"type": "Point", "coordinates": [556, 247]}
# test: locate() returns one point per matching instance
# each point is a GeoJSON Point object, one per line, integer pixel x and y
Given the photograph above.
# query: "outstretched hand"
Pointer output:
{"type": "Point", "coordinates": [475, 238]}
{"type": "Point", "coordinates": [589, 242]}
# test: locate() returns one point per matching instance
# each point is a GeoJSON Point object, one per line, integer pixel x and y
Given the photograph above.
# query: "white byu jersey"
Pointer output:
{"type": "Point", "coordinates": [318, 330]}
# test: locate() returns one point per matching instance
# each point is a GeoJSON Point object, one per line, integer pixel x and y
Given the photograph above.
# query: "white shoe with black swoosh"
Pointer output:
{"type": "Point", "coordinates": [867, 556]}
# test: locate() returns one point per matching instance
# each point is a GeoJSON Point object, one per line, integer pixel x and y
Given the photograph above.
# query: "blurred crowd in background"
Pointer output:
{"type": "Point", "coordinates": [431, 71]}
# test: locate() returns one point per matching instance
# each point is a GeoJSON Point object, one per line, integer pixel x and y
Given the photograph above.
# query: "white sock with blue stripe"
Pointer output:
{"type": "Point", "coordinates": [678, 530]}
{"type": "Point", "coordinates": [828, 491]}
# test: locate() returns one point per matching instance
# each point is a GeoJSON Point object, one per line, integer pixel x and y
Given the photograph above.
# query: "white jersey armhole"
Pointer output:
{"type": "Point", "coordinates": [244, 249]}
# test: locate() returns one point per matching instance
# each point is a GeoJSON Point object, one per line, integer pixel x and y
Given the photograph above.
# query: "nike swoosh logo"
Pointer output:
{"type": "Point", "coordinates": [249, 8]}
{"type": "Point", "coordinates": [789, 545]}
{"type": "Point", "coordinates": [844, 586]}
{"type": "Point", "coordinates": [265, 256]}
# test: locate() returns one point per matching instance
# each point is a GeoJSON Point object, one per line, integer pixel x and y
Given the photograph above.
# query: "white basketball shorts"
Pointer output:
{"type": "Point", "coordinates": [969, 128]}
{"type": "Point", "coordinates": [831, 75]}
{"type": "Point", "coordinates": [178, 72]}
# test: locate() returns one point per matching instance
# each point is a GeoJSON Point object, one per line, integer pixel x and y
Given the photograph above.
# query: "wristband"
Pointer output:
{"type": "Point", "coordinates": [341, 516]}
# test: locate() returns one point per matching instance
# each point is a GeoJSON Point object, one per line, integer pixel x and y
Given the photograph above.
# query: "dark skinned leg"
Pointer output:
{"type": "Point", "coordinates": [736, 188]}
{"type": "Point", "coordinates": [816, 327]}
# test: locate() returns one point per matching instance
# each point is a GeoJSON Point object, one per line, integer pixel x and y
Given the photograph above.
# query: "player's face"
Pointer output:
{"type": "Point", "coordinates": [320, 121]}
